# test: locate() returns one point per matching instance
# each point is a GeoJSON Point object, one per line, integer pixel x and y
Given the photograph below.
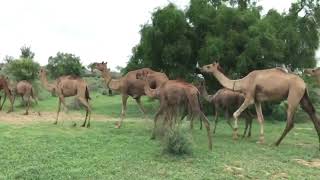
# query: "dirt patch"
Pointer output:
{"type": "Point", "coordinates": [315, 163]}
{"type": "Point", "coordinates": [236, 171]}
{"type": "Point", "coordinates": [280, 175]}
{"type": "Point", "coordinates": [19, 118]}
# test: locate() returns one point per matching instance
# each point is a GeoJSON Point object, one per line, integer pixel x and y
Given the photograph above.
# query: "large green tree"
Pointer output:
{"type": "Point", "coordinates": [64, 64]}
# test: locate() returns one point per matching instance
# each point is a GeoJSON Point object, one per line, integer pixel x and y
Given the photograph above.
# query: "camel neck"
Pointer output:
{"type": "Point", "coordinates": [204, 94]}
{"type": "Point", "coordinates": [113, 84]}
{"type": "Point", "coordinates": [226, 82]}
{"type": "Point", "coordinates": [45, 83]}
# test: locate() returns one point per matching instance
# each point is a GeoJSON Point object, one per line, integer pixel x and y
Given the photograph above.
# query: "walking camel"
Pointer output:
{"type": "Point", "coordinates": [267, 85]}
{"type": "Point", "coordinates": [25, 90]}
{"type": "Point", "coordinates": [161, 78]}
{"type": "Point", "coordinates": [176, 96]}
{"type": "Point", "coordinates": [228, 101]}
{"type": "Point", "coordinates": [128, 85]}
{"type": "Point", "coordinates": [67, 86]}
{"type": "Point", "coordinates": [4, 85]}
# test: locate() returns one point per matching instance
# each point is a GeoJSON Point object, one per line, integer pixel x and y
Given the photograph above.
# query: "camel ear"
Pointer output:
{"type": "Point", "coordinates": [102, 62]}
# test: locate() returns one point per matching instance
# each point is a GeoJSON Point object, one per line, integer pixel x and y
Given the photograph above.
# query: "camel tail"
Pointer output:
{"type": "Point", "coordinates": [87, 93]}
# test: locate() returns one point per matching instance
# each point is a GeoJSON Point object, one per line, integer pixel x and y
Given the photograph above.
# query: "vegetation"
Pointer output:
{"type": "Point", "coordinates": [40, 150]}
{"type": "Point", "coordinates": [64, 64]}
{"type": "Point", "coordinates": [23, 68]}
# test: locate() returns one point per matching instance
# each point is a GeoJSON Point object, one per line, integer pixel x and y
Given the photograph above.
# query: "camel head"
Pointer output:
{"type": "Point", "coordinates": [42, 72]}
{"type": "Point", "coordinates": [210, 68]}
{"type": "Point", "coordinates": [101, 66]}
{"type": "Point", "coordinates": [312, 72]}
{"type": "Point", "coordinates": [142, 75]}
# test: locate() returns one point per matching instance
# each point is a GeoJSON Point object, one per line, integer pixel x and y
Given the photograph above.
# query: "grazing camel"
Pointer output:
{"type": "Point", "coordinates": [127, 85]}
{"type": "Point", "coordinates": [228, 101]}
{"type": "Point", "coordinates": [67, 86]}
{"type": "Point", "coordinates": [4, 85]}
{"type": "Point", "coordinates": [268, 85]}
{"type": "Point", "coordinates": [175, 96]}
{"type": "Point", "coordinates": [25, 90]}
{"type": "Point", "coordinates": [314, 72]}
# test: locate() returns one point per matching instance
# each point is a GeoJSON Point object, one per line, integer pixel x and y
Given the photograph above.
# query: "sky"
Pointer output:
{"type": "Point", "coordinates": [94, 30]}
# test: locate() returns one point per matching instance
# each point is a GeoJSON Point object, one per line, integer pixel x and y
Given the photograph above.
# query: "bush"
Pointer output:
{"type": "Point", "coordinates": [64, 64]}
{"type": "Point", "coordinates": [23, 69]}
{"type": "Point", "coordinates": [178, 142]}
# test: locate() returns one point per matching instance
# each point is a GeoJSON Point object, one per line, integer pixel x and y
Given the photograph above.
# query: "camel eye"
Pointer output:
{"type": "Point", "coordinates": [208, 67]}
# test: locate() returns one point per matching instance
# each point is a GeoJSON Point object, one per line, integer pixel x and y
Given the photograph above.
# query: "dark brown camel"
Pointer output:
{"type": "Point", "coordinates": [227, 101]}
{"type": "Point", "coordinates": [4, 85]}
{"type": "Point", "coordinates": [175, 96]}
{"type": "Point", "coordinates": [268, 85]}
{"type": "Point", "coordinates": [128, 85]}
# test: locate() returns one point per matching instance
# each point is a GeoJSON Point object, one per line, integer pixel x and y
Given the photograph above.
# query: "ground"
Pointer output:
{"type": "Point", "coordinates": [31, 147]}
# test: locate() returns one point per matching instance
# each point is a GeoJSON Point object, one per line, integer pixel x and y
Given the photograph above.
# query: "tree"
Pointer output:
{"type": "Point", "coordinates": [64, 64]}
{"type": "Point", "coordinates": [26, 52]}
{"type": "Point", "coordinates": [24, 68]}
{"type": "Point", "coordinates": [166, 44]}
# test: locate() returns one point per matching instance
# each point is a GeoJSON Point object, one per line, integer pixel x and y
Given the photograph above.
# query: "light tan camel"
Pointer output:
{"type": "Point", "coordinates": [25, 90]}
{"type": "Point", "coordinates": [176, 96]}
{"type": "Point", "coordinates": [67, 86]}
{"type": "Point", "coordinates": [227, 101]}
{"type": "Point", "coordinates": [128, 85]}
{"type": "Point", "coordinates": [268, 85]}
{"type": "Point", "coordinates": [4, 85]}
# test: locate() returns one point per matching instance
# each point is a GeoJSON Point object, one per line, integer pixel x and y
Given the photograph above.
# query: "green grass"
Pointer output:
{"type": "Point", "coordinates": [45, 151]}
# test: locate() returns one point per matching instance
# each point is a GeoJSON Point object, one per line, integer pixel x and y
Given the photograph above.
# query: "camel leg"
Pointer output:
{"type": "Point", "coordinates": [292, 106]}
{"type": "Point", "coordinates": [207, 125]}
{"type": "Point", "coordinates": [0, 103]}
{"type": "Point", "coordinates": [248, 101]}
{"type": "Point", "coordinates": [141, 108]}
{"type": "Point", "coordinates": [88, 111]}
{"type": "Point", "coordinates": [216, 119]}
{"type": "Point", "coordinates": [261, 121]}
{"type": "Point", "coordinates": [28, 106]}
{"type": "Point", "coordinates": [123, 111]}
{"type": "Point", "coordinates": [160, 111]}
{"type": "Point", "coordinates": [59, 107]}
{"type": "Point", "coordinates": [308, 107]}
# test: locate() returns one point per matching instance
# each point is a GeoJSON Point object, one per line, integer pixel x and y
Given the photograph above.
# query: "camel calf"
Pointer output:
{"type": "Point", "coordinates": [228, 101]}
{"type": "Point", "coordinates": [25, 90]}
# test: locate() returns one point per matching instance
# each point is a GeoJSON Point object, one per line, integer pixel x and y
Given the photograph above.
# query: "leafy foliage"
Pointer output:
{"type": "Point", "coordinates": [64, 64]}
{"type": "Point", "coordinates": [24, 68]}
{"type": "Point", "coordinates": [177, 142]}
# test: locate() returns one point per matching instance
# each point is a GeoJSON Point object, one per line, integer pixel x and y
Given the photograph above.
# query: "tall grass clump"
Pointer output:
{"type": "Point", "coordinates": [177, 141]}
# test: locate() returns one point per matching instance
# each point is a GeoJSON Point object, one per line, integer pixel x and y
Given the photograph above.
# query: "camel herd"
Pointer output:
{"type": "Point", "coordinates": [179, 99]}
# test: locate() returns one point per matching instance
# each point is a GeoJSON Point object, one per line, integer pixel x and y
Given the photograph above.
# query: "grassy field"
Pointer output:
{"type": "Point", "coordinates": [41, 150]}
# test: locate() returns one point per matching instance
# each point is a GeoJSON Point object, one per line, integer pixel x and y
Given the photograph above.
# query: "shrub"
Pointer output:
{"type": "Point", "coordinates": [178, 142]}
{"type": "Point", "coordinates": [23, 69]}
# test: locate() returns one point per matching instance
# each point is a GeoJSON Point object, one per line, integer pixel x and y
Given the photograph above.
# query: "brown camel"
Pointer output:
{"type": "Point", "coordinates": [4, 85]}
{"type": "Point", "coordinates": [67, 86]}
{"type": "Point", "coordinates": [127, 85]}
{"type": "Point", "coordinates": [314, 72]}
{"type": "Point", "coordinates": [176, 96]}
{"type": "Point", "coordinates": [227, 101]}
{"type": "Point", "coordinates": [25, 90]}
{"type": "Point", "coordinates": [156, 79]}
{"type": "Point", "coordinates": [268, 85]}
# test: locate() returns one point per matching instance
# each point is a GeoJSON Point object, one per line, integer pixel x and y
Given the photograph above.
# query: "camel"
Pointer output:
{"type": "Point", "coordinates": [268, 85]}
{"type": "Point", "coordinates": [175, 96]}
{"type": "Point", "coordinates": [160, 78]}
{"type": "Point", "coordinates": [4, 85]}
{"type": "Point", "coordinates": [314, 72]}
{"type": "Point", "coordinates": [127, 85]}
{"type": "Point", "coordinates": [67, 86]}
{"type": "Point", "coordinates": [25, 90]}
{"type": "Point", "coordinates": [227, 101]}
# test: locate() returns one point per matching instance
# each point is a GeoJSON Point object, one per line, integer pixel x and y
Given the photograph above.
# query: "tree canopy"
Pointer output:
{"type": "Point", "coordinates": [233, 32]}
{"type": "Point", "coordinates": [64, 64]}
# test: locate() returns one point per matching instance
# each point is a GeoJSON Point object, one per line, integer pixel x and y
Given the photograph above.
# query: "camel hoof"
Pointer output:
{"type": "Point", "coordinates": [261, 140]}
{"type": "Point", "coordinates": [152, 137]}
{"type": "Point", "coordinates": [55, 123]}
{"type": "Point", "coordinates": [88, 125]}
{"type": "Point", "coordinates": [39, 114]}
{"type": "Point", "coordinates": [25, 113]}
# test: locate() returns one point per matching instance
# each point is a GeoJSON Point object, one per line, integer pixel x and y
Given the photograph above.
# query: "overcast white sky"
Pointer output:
{"type": "Point", "coordinates": [95, 30]}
